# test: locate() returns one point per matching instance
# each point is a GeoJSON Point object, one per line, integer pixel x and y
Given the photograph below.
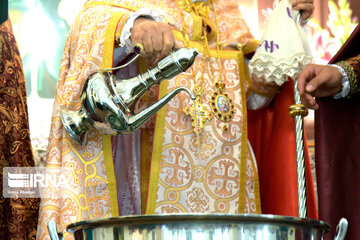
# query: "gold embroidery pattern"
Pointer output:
{"type": "Point", "coordinates": [225, 177]}
{"type": "Point", "coordinates": [89, 195]}
{"type": "Point", "coordinates": [197, 201]}
{"type": "Point", "coordinates": [207, 146]}
{"type": "Point", "coordinates": [183, 172]}
{"type": "Point", "coordinates": [216, 177]}
{"type": "Point", "coordinates": [177, 170]}
{"type": "Point", "coordinates": [352, 76]}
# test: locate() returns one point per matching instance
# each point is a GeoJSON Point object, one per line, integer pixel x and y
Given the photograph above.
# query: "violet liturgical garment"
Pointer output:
{"type": "Point", "coordinates": [337, 136]}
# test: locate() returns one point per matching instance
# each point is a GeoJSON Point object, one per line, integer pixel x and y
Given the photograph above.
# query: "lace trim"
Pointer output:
{"type": "Point", "coordinates": [275, 69]}
{"type": "Point", "coordinates": [345, 90]}
{"type": "Point", "coordinates": [150, 13]}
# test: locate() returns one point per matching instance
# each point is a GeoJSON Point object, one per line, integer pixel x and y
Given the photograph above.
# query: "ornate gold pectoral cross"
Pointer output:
{"type": "Point", "coordinates": [199, 113]}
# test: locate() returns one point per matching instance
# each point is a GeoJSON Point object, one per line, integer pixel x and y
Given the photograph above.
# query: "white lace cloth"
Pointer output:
{"type": "Point", "coordinates": [283, 50]}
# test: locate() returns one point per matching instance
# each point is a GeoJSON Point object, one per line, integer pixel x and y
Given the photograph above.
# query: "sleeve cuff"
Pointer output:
{"type": "Point", "coordinates": [351, 75]}
{"type": "Point", "coordinates": [345, 90]}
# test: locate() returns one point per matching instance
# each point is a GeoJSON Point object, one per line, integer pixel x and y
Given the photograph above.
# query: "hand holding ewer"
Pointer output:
{"type": "Point", "coordinates": [108, 102]}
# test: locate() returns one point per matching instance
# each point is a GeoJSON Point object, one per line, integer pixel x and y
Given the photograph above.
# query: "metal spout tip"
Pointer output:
{"type": "Point", "coordinates": [186, 57]}
{"type": "Point", "coordinates": [195, 51]}
{"type": "Point", "coordinates": [192, 96]}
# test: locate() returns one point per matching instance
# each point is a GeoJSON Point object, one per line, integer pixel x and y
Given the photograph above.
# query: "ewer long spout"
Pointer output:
{"type": "Point", "coordinates": [135, 121]}
{"type": "Point", "coordinates": [128, 91]}
{"type": "Point", "coordinates": [108, 102]}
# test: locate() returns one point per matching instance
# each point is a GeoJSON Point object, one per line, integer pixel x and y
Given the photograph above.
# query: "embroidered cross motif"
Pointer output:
{"type": "Point", "coordinates": [225, 177]}
{"type": "Point", "coordinates": [178, 170]}
{"type": "Point", "coordinates": [97, 197]}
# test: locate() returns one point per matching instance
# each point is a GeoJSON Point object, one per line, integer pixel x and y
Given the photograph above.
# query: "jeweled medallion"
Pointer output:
{"type": "Point", "coordinates": [222, 106]}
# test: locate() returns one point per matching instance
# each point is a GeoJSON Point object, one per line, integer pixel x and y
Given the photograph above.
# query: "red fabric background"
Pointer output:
{"type": "Point", "coordinates": [271, 132]}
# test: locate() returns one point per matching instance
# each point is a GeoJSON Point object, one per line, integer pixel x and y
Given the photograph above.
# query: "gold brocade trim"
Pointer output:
{"type": "Point", "coordinates": [250, 47]}
{"type": "Point", "coordinates": [110, 173]}
{"type": "Point", "coordinates": [351, 75]}
{"type": "Point", "coordinates": [197, 27]}
{"type": "Point", "coordinates": [157, 151]}
{"type": "Point", "coordinates": [107, 62]}
{"type": "Point", "coordinates": [244, 147]}
{"type": "Point", "coordinates": [246, 49]}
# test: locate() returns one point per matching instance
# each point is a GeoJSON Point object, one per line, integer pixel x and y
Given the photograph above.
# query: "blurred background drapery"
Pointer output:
{"type": "Point", "coordinates": [41, 28]}
{"type": "Point", "coordinates": [16, 214]}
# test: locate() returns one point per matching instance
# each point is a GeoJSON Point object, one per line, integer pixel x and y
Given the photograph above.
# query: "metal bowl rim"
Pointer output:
{"type": "Point", "coordinates": [211, 217]}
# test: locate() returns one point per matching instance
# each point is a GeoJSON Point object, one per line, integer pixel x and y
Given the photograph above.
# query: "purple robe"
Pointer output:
{"type": "Point", "coordinates": [337, 150]}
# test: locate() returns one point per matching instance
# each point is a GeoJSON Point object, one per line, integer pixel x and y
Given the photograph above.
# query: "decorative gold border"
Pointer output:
{"type": "Point", "coordinates": [107, 62]}
{"type": "Point", "coordinates": [197, 27]}
{"type": "Point", "coordinates": [244, 147]}
{"type": "Point", "coordinates": [160, 123]}
{"type": "Point", "coordinates": [156, 155]}
{"type": "Point", "coordinates": [351, 75]}
{"type": "Point", "coordinates": [110, 173]}
{"type": "Point", "coordinates": [250, 47]}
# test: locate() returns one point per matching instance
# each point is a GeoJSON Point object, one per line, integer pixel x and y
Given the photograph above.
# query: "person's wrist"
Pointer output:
{"type": "Point", "coordinates": [345, 83]}
{"type": "Point", "coordinates": [125, 36]}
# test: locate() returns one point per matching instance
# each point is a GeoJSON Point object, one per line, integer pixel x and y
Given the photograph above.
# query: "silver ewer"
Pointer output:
{"type": "Point", "coordinates": [108, 102]}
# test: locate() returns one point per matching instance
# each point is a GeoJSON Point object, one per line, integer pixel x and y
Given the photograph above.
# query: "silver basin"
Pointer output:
{"type": "Point", "coordinates": [199, 227]}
